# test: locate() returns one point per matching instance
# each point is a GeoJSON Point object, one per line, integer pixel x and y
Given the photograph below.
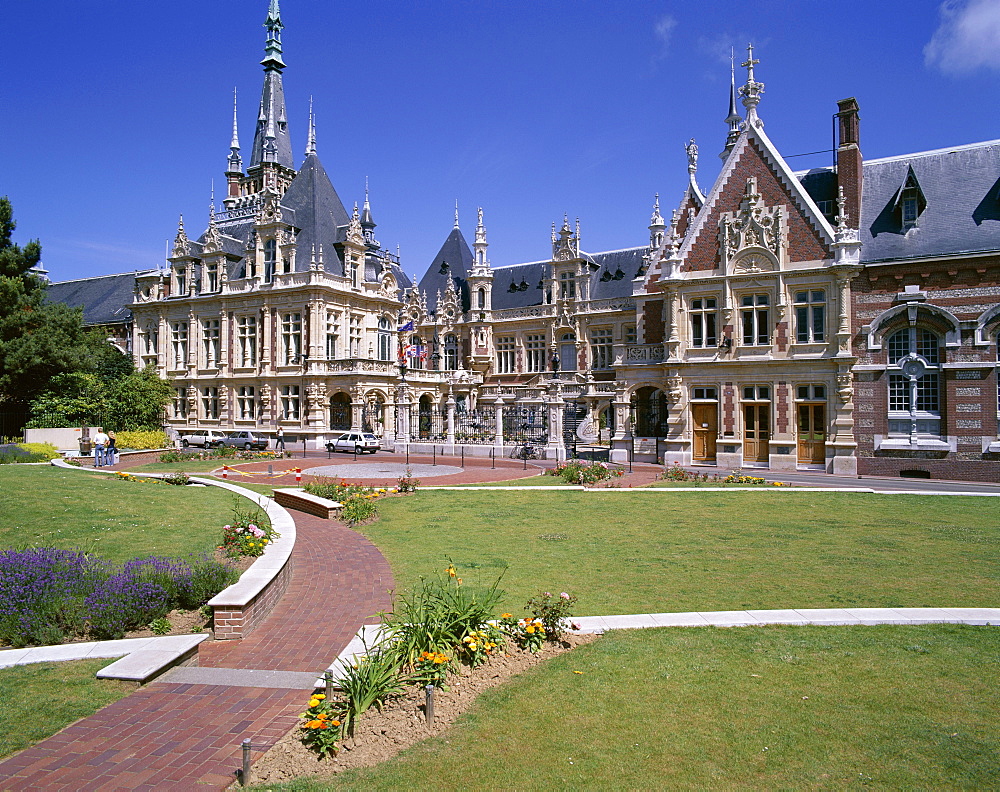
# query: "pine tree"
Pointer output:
{"type": "Point", "coordinates": [15, 261]}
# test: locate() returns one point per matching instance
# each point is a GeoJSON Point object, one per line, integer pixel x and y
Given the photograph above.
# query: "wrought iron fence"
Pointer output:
{"type": "Point", "coordinates": [476, 426]}
{"type": "Point", "coordinates": [526, 424]}
{"type": "Point", "coordinates": [428, 422]}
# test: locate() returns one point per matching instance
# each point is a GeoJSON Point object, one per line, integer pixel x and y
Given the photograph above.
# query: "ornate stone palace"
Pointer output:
{"type": "Point", "coordinates": [844, 319]}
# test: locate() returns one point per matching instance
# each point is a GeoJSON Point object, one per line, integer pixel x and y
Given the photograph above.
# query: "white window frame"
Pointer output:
{"type": "Point", "coordinates": [534, 352]}
{"type": "Point", "coordinates": [211, 336]}
{"type": "Point", "coordinates": [810, 315]}
{"type": "Point", "coordinates": [291, 338]}
{"type": "Point", "coordinates": [704, 313]}
{"type": "Point", "coordinates": [246, 337]}
{"type": "Point", "coordinates": [506, 350]}
{"type": "Point", "coordinates": [755, 317]}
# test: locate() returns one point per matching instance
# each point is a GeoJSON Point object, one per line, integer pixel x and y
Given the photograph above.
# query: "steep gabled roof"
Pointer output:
{"type": "Point", "coordinates": [318, 213]}
{"type": "Point", "coordinates": [961, 187]}
{"type": "Point", "coordinates": [754, 155]}
{"type": "Point", "coordinates": [104, 299]}
{"type": "Point", "coordinates": [455, 252]}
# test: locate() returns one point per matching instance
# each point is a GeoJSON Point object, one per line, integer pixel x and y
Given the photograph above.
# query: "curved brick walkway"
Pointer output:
{"type": "Point", "coordinates": [186, 736]}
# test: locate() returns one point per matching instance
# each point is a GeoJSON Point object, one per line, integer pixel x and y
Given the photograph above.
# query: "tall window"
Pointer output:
{"type": "Point", "coordinates": [631, 334]}
{"type": "Point", "coordinates": [567, 286]}
{"type": "Point", "coordinates": [332, 335]}
{"type": "Point", "coordinates": [210, 403]}
{"type": "Point", "coordinates": [385, 338]}
{"type": "Point", "coordinates": [601, 348]}
{"type": "Point", "coordinates": [270, 256]}
{"type": "Point", "coordinates": [180, 279]}
{"type": "Point", "coordinates": [246, 402]}
{"type": "Point", "coordinates": [179, 343]}
{"type": "Point", "coordinates": [756, 320]}
{"type": "Point", "coordinates": [355, 336]}
{"type": "Point", "coordinates": [703, 323]}
{"type": "Point", "coordinates": [505, 355]}
{"type": "Point", "coordinates": [180, 403]}
{"type": "Point", "coordinates": [534, 346]}
{"type": "Point", "coordinates": [246, 339]}
{"type": "Point", "coordinates": [416, 353]}
{"type": "Point", "coordinates": [481, 298]}
{"type": "Point", "coordinates": [914, 382]}
{"type": "Point", "coordinates": [210, 342]}
{"type": "Point", "coordinates": [290, 402]}
{"type": "Point", "coordinates": [211, 281]}
{"type": "Point", "coordinates": [810, 316]}
{"type": "Point", "coordinates": [450, 352]}
{"type": "Point", "coordinates": [291, 338]}
{"type": "Point", "coordinates": [151, 341]}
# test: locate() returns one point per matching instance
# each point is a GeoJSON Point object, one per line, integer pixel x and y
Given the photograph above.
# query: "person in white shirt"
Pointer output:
{"type": "Point", "coordinates": [100, 443]}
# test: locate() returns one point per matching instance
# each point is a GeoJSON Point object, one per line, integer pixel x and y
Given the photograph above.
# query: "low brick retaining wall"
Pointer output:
{"type": "Point", "coordinates": [128, 458]}
{"type": "Point", "coordinates": [300, 500]}
{"type": "Point", "coordinates": [238, 620]}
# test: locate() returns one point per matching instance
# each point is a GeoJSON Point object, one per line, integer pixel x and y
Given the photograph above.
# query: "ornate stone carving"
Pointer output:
{"type": "Point", "coordinates": [265, 397]}
{"type": "Point", "coordinates": [675, 391]}
{"type": "Point", "coordinates": [752, 237]}
{"type": "Point", "coordinates": [845, 388]}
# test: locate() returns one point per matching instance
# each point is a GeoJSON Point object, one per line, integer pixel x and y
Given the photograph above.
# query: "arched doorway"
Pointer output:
{"type": "Point", "coordinates": [424, 417]}
{"type": "Point", "coordinates": [650, 406]}
{"type": "Point", "coordinates": [340, 411]}
{"type": "Point", "coordinates": [373, 417]}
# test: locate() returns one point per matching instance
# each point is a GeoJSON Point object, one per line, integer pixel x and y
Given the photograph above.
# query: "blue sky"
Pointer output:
{"type": "Point", "coordinates": [117, 115]}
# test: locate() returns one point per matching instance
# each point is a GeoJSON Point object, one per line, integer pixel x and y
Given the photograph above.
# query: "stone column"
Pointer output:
{"type": "Point", "coordinates": [357, 408]}
{"type": "Point", "coordinates": [498, 437]}
{"type": "Point", "coordinates": [555, 449]}
{"type": "Point", "coordinates": [621, 443]}
{"type": "Point", "coordinates": [403, 415]}
{"type": "Point", "coordinates": [451, 420]}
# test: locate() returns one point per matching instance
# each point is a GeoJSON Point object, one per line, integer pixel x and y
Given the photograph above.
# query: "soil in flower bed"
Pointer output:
{"type": "Point", "coordinates": [380, 735]}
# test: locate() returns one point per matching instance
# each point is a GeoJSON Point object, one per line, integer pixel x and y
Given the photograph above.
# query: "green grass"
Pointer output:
{"type": "Point", "coordinates": [52, 507]}
{"type": "Point", "coordinates": [648, 552]}
{"type": "Point", "coordinates": [764, 708]}
{"type": "Point", "coordinates": [38, 700]}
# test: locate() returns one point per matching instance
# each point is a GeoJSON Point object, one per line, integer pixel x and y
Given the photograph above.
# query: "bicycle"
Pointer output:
{"type": "Point", "coordinates": [524, 452]}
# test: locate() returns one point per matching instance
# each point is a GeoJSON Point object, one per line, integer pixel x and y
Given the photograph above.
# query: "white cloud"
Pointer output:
{"type": "Point", "coordinates": [967, 38]}
{"type": "Point", "coordinates": [664, 31]}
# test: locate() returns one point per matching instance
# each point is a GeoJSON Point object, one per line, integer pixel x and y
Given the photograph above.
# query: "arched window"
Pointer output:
{"type": "Point", "coordinates": [384, 338]}
{"type": "Point", "coordinates": [914, 383]}
{"type": "Point", "coordinates": [481, 298]}
{"type": "Point", "coordinates": [450, 352]}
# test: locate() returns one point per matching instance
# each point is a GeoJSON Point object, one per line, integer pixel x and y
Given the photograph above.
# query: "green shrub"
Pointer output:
{"type": "Point", "coordinates": [357, 510]}
{"type": "Point", "coordinates": [372, 679]}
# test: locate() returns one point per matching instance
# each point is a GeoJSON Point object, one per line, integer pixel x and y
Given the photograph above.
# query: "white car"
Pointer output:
{"type": "Point", "coordinates": [355, 441]}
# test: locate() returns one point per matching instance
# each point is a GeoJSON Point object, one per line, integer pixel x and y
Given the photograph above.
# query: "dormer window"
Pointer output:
{"type": "Point", "coordinates": [567, 286]}
{"type": "Point", "coordinates": [270, 256]}
{"type": "Point", "coordinates": [910, 201]}
{"type": "Point", "coordinates": [909, 209]}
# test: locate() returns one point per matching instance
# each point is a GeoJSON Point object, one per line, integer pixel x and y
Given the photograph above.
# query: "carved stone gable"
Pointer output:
{"type": "Point", "coordinates": [752, 239]}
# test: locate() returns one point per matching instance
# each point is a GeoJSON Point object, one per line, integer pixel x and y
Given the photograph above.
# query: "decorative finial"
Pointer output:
{"type": "Point", "coordinates": [841, 210]}
{"type": "Point", "coordinates": [272, 49]}
{"type": "Point", "coordinates": [211, 203]}
{"type": "Point", "coordinates": [656, 220]}
{"type": "Point", "coordinates": [692, 153]}
{"type": "Point", "coordinates": [235, 161]}
{"type": "Point", "coordinates": [456, 213]}
{"type": "Point", "coordinates": [752, 90]}
{"type": "Point", "coordinates": [311, 139]}
{"type": "Point", "coordinates": [235, 142]}
{"type": "Point", "coordinates": [734, 119]}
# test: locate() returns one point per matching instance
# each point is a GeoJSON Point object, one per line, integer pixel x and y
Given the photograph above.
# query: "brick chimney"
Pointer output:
{"type": "Point", "coordinates": [849, 171]}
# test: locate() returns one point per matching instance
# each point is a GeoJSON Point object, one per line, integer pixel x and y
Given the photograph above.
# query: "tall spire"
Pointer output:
{"type": "Point", "coordinates": [272, 49]}
{"type": "Point", "coordinates": [456, 213]}
{"type": "Point", "coordinates": [734, 119]}
{"type": "Point", "coordinates": [752, 90]}
{"type": "Point", "coordinates": [271, 142]}
{"type": "Point", "coordinates": [368, 222]}
{"type": "Point", "coordinates": [235, 160]}
{"type": "Point", "coordinates": [311, 139]}
{"type": "Point", "coordinates": [656, 225]}
{"type": "Point", "coordinates": [480, 245]}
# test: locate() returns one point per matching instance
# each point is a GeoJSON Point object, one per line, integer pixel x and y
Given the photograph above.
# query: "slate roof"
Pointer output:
{"type": "Point", "coordinates": [456, 253]}
{"type": "Point", "coordinates": [611, 275]}
{"type": "Point", "coordinates": [318, 212]}
{"type": "Point", "coordinates": [104, 299]}
{"type": "Point", "coordinates": [961, 187]}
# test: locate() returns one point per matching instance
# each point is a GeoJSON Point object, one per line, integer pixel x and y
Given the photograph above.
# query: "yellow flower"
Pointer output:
{"type": "Point", "coordinates": [506, 615]}
{"type": "Point", "coordinates": [314, 702]}
{"type": "Point", "coordinates": [529, 629]}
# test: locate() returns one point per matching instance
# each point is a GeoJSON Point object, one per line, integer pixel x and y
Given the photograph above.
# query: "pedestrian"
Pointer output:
{"type": "Point", "coordinates": [280, 442]}
{"type": "Point", "coordinates": [111, 452]}
{"type": "Point", "coordinates": [100, 443]}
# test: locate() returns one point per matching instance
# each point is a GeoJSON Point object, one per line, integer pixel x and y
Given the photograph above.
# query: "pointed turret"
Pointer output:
{"type": "Point", "coordinates": [480, 244]}
{"type": "Point", "coordinates": [734, 119]}
{"type": "Point", "coordinates": [368, 223]}
{"type": "Point", "coordinates": [657, 225]}
{"type": "Point", "coordinates": [311, 138]}
{"type": "Point", "coordinates": [235, 162]}
{"type": "Point", "coordinates": [271, 142]}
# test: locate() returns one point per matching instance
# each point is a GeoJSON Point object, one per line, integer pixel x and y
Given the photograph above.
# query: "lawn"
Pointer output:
{"type": "Point", "coordinates": [888, 707]}
{"type": "Point", "coordinates": [54, 507]}
{"type": "Point", "coordinates": [649, 552]}
{"type": "Point", "coordinates": [42, 698]}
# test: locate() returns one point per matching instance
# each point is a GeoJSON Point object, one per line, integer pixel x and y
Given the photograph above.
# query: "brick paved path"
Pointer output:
{"type": "Point", "coordinates": [187, 736]}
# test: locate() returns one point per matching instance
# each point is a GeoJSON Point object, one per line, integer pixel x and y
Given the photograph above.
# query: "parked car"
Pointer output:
{"type": "Point", "coordinates": [246, 440]}
{"type": "Point", "coordinates": [203, 438]}
{"type": "Point", "coordinates": [355, 441]}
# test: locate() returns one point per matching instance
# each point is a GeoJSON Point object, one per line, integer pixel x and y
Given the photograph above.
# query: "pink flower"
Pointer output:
{"type": "Point", "coordinates": [564, 595]}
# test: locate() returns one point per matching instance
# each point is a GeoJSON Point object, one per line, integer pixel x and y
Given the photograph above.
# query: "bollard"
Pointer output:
{"type": "Point", "coordinates": [245, 775]}
{"type": "Point", "coordinates": [463, 456]}
{"type": "Point", "coordinates": [429, 704]}
{"type": "Point", "coordinates": [407, 453]}
{"type": "Point", "coordinates": [434, 454]}
{"type": "Point", "coordinates": [270, 470]}
{"type": "Point", "coordinates": [493, 459]}
{"type": "Point", "coordinates": [524, 456]}
{"type": "Point", "coordinates": [328, 679]}
{"type": "Point", "coordinates": [298, 475]}
{"type": "Point", "coordinates": [224, 469]}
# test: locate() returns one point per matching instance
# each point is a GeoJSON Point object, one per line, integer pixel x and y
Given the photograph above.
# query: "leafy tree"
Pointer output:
{"type": "Point", "coordinates": [15, 261]}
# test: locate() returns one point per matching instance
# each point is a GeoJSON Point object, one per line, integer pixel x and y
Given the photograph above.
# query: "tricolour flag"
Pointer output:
{"type": "Point", "coordinates": [407, 327]}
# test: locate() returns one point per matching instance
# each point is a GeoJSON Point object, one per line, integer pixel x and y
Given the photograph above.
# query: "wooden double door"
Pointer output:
{"type": "Point", "coordinates": [756, 434]}
{"type": "Point", "coordinates": [812, 434]}
{"type": "Point", "coordinates": [706, 429]}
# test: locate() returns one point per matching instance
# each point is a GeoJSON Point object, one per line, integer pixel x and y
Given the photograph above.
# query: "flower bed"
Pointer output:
{"type": "Point", "coordinates": [222, 452]}
{"type": "Point", "coordinates": [249, 534]}
{"type": "Point", "coordinates": [578, 472]}
{"type": "Point", "coordinates": [358, 501]}
{"type": "Point", "coordinates": [48, 596]}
